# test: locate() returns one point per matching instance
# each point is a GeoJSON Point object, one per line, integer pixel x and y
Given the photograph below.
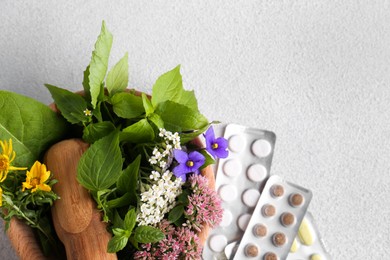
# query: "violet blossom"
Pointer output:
{"type": "Point", "coordinates": [188, 163]}
{"type": "Point", "coordinates": [217, 147]}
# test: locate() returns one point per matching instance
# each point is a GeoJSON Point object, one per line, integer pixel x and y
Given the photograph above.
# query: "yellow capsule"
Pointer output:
{"type": "Point", "coordinates": [305, 234]}
{"type": "Point", "coordinates": [315, 257]}
{"type": "Point", "coordinates": [294, 246]}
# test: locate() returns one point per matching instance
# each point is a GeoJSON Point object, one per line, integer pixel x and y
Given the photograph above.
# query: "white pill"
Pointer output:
{"type": "Point", "coordinates": [261, 148]}
{"type": "Point", "coordinates": [226, 218]}
{"type": "Point", "coordinates": [218, 243]}
{"type": "Point", "coordinates": [236, 143]}
{"type": "Point", "coordinates": [232, 168]}
{"type": "Point", "coordinates": [250, 197]}
{"type": "Point", "coordinates": [227, 192]}
{"type": "Point", "coordinates": [257, 172]}
{"type": "Point", "coordinates": [243, 221]}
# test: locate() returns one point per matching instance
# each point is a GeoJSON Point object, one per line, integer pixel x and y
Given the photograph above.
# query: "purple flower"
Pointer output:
{"type": "Point", "coordinates": [188, 163]}
{"type": "Point", "coordinates": [217, 147]}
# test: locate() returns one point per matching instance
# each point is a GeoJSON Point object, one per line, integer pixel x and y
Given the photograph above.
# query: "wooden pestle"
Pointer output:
{"type": "Point", "coordinates": [76, 220]}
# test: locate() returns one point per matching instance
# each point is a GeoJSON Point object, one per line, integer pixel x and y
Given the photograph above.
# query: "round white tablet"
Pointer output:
{"type": "Point", "coordinates": [243, 221]}
{"type": "Point", "coordinates": [218, 243]}
{"type": "Point", "coordinates": [232, 167]}
{"type": "Point", "coordinates": [227, 192]}
{"type": "Point", "coordinates": [261, 148]}
{"type": "Point", "coordinates": [236, 143]}
{"type": "Point", "coordinates": [227, 218]}
{"type": "Point", "coordinates": [257, 172]}
{"type": "Point", "coordinates": [250, 197]}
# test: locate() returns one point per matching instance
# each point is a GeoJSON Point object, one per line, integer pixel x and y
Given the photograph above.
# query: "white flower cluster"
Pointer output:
{"type": "Point", "coordinates": [159, 155]}
{"type": "Point", "coordinates": [159, 199]}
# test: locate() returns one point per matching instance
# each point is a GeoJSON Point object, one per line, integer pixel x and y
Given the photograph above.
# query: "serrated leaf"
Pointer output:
{"type": "Point", "coordinates": [127, 105]}
{"type": "Point", "coordinates": [128, 180]}
{"type": "Point", "coordinates": [32, 126]}
{"type": "Point", "coordinates": [95, 131]}
{"type": "Point", "coordinates": [139, 132]}
{"type": "Point", "coordinates": [101, 165]}
{"type": "Point", "coordinates": [179, 118]}
{"type": "Point", "coordinates": [168, 86]}
{"type": "Point", "coordinates": [70, 104]}
{"type": "Point", "coordinates": [176, 213]}
{"type": "Point", "coordinates": [147, 105]}
{"type": "Point", "coordinates": [118, 77]}
{"type": "Point", "coordinates": [148, 234]}
{"type": "Point", "coordinates": [99, 63]}
{"type": "Point", "coordinates": [129, 221]}
{"type": "Point", "coordinates": [117, 243]}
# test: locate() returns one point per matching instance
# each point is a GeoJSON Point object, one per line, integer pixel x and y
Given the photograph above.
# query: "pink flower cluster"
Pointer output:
{"type": "Point", "coordinates": [179, 243]}
{"type": "Point", "coordinates": [204, 204]}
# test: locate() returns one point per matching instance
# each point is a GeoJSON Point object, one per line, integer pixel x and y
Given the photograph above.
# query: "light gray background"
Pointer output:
{"type": "Point", "coordinates": [315, 72]}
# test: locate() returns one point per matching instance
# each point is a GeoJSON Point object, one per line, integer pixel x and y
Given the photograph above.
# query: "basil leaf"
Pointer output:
{"type": "Point", "coordinates": [147, 105]}
{"type": "Point", "coordinates": [139, 132]}
{"type": "Point", "coordinates": [32, 126]}
{"type": "Point", "coordinates": [127, 105]}
{"type": "Point", "coordinates": [148, 234]}
{"type": "Point", "coordinates": [185, 120]}
{"type": "Point", "coordinates": [118, 77]}
{"type": "Point", "coordinates": [156, 120]}
{"type": "Point", "coordinates": [128, 180]}
{"type": "Point", "coordinates": [130, 219]}
{"type": "Point", "coordinates": [117, 243]}
{"type": "Point", "coordinates": [95, 131]}
{"type": "Point", "coordinates": [101, 165]}
{"type": "Point", "coordinates": [167, 87]}
{"type": "Point", "coordinates": [121, 201]}
{"type": "Point", "coordinates": [70, 104]}
{"type": "Point", "coordinates": [176, 213]}
{"type": "Point", "coordinates": [99, 63]}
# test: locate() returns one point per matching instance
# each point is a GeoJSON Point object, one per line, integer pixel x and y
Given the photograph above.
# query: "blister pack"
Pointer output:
{"type": "Point", "coordinates": [239, 181]}
{"type": "Point", "coordinates": [308, 244]}
{"type": "Point", "coordinates": [275, 221]}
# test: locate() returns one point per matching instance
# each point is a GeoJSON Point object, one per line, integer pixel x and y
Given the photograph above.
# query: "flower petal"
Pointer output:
{"type": "Point", "coordinates": [180, 156]}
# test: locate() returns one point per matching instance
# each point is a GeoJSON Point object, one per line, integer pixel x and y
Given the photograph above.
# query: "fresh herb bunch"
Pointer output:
{"type": "Point", "coordinates": [142, 166]}
{"type": "Point", "coordinates": [27, 195]}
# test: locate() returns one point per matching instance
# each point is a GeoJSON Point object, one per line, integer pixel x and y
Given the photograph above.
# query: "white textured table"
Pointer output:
{"type": "Point", "coordinates": [315, 73]}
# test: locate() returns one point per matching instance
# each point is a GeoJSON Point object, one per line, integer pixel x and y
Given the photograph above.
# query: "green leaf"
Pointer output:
{"type": "Point", "coordinates": [117, 243]}
{"type": "Point", "coordinates": [121, 201]}
{"type": "Point", "coordinates": [130, 219]}
{"type": "Point", "coordinates": [87, 92]}
{"type": "Point", "coordinates": [128, 180]}
{"type": "Point", "coordinates": [118, 77]}
{"type": "Point", "coordinates": [32, 126]}
{"type": "Point", "coordinates": [176, 213]}
{"type": "Point", "coordinates": [99, 63]}
{"type": "Point", "coordinates": [148, 234]}
{"type": "Point", "coordinates": [95, 131]}
{"type": "Point", "coordinates": [70, 104]}
{"type": "Point", "coordinates": [101, 165]}
{"type": "Point", "coordinates": [139, 132]}
{"type": "Point", "coordinates": [127, 105]}
{"type": "Point", "coordinates": [156, 120]}
{"type": "Point", "coordinates": [168, 86]}
{"type": "Point", "coordinates": [147, 105]}
{"type": "Point", "coordinates": [209, 159]}
{"type": "Point", "coordinates": [179, 118]}
{"type": "Point", "coordinates": [188, 99]}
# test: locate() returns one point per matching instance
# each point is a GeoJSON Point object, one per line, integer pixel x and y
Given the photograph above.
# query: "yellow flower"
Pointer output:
{"type": "Point", "coordinates": [6, 157]}
{"type": "Point", "coordinates": [37, 177]}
